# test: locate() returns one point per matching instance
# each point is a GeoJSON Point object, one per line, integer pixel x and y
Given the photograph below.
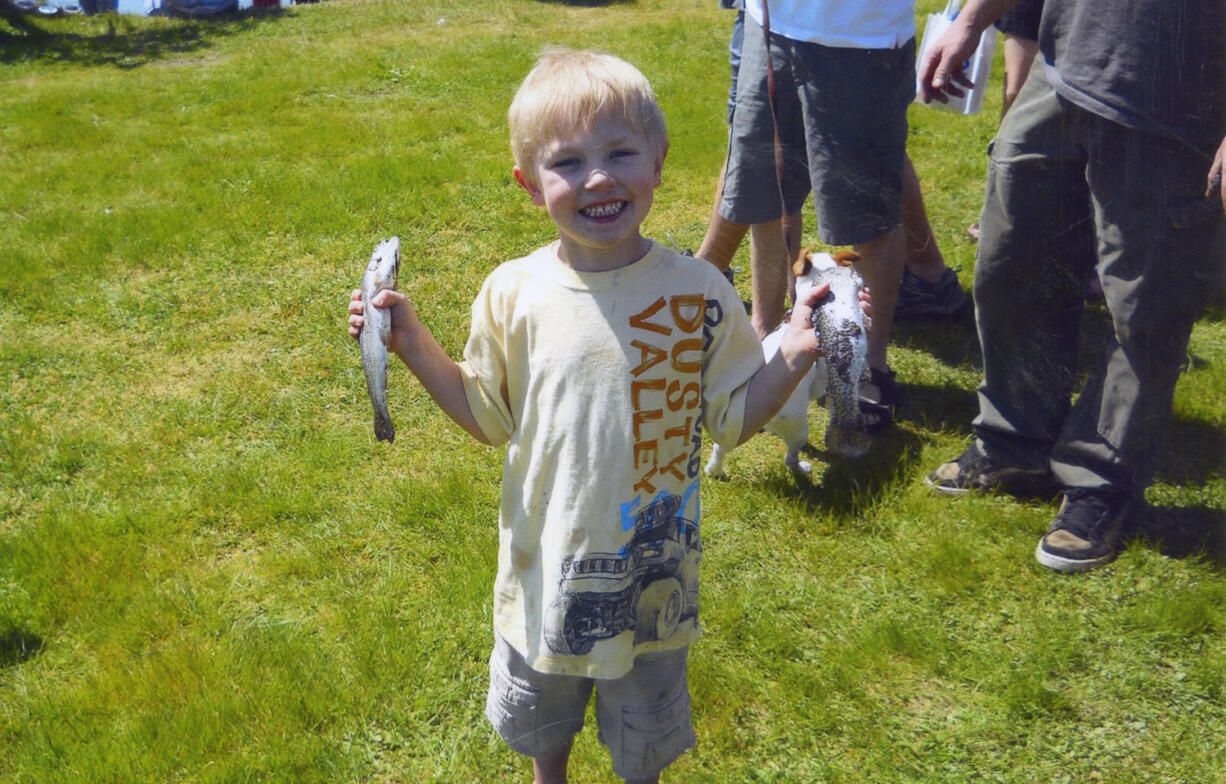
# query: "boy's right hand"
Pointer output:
{"type": "Point", "coordinates": [403, 316]}
{"type": "Point", "coordinates": [412, 342]}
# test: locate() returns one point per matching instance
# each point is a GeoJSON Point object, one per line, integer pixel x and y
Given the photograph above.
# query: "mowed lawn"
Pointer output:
{"type": "Point", "coordinates": [211, 572]}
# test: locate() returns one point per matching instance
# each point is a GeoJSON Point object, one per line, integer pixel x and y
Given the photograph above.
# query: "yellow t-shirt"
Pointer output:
{"type": "Point", "coordinates": [600, 385]}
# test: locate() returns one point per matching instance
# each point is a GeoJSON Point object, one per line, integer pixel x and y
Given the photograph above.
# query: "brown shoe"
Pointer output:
{"type": "Point", "coordinates": [1086, 531]}
{"type": "Point", "coordinates": [975, 471]}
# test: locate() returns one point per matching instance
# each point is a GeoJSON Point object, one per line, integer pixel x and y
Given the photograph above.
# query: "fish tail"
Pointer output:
{"type": "Point", "coordinates": [847, 441]}
{"type": "Point", "coordinates": [384, 431]}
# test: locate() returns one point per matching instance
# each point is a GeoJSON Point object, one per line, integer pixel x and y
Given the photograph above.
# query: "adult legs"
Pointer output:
{"type": "Point", "coordinates": [771, 265]}
{"type": "Point", "coordinates": [749, 193]}
{"type": "Point", "coordinates": [1034, 252]}
{"type": "Point", "coordinates": [1019, 56]}
{"type": "Point", "coordinates": [1148, 208]}
{"type": "Point", "coordinates": [881, 264]}
{"type": "Point", "coordinates": [1061, 179]}
{"type": "Point", "coordinates": [855, 110]}
{"type": "Point", "coordinates": [1021, 28]}
{"type": "Point", "coordinates": [769, 261]}
{"type": "Point", "coordinates": [1160, 251]}
{"type": "Point", "coordinates": [723, 237]}
{"type": "Point", "coordinates": [923, 255]}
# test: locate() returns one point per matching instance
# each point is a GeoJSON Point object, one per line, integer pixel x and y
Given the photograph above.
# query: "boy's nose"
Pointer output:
{"type": "Point", "coordinates": [598, 177]}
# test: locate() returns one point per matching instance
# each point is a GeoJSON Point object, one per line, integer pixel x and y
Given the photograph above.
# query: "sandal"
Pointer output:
{"type": "Point", "coordinates": [879, 414]}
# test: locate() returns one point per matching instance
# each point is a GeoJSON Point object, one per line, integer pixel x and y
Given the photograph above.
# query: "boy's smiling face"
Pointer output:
{"type": "Point", "coordinates": [597, 184]}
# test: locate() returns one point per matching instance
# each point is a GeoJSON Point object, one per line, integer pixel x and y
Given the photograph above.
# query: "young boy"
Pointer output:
{"type": "Point", "coordinates": [597, 360]}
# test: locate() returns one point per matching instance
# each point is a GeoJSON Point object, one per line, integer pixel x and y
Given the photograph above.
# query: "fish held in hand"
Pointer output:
{"type": "Point", "coordinates": [380, 274]}
{"type": "Point", "coordinates": [843, 334]}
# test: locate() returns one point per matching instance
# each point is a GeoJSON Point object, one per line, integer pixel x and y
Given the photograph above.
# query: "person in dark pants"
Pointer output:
{"type": "Point", "coordinates": [1020, 26]}
{"type": "Point", "coordinates": [1124, 122]}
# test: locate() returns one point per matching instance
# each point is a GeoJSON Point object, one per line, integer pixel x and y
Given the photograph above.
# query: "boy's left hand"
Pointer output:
{"type": "Point", "coordinates": [800, 343]}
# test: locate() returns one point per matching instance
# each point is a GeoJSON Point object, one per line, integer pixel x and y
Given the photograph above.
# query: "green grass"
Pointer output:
{"type": "Point", "coordinates": [210, 572]}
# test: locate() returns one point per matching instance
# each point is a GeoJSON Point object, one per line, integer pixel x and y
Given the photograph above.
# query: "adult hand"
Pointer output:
{"type": "Point", "coordinates": [941, 71]}
{"type": "Point", "coordinates": [1217, 177]}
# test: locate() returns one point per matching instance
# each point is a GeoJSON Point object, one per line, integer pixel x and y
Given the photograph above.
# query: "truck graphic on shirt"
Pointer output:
{"type": "Point", "coordinates": [651, 586]}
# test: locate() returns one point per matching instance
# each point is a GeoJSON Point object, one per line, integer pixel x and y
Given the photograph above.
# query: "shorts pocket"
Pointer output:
{"type": "Point", "coordinates": [511, 706]}
{"type": "Point", "coordinates": [652, 739]}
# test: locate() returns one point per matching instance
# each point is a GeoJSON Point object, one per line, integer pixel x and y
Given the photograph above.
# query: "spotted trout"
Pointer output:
{"type": "Point", "coordinates": [377, 331]}
{"type": "Point", "coordinates": [843, 335]}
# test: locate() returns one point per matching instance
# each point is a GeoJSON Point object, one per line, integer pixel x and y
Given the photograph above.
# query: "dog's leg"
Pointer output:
{"type": "Point", "coordinates": [715, 466]}
{"type": "Point", "coordinates": [795, 434]}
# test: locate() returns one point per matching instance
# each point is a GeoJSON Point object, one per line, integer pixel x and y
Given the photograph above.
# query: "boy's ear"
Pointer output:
{"type": "Point", "coordinates": [660, 165]}
{"type": "Point", "coordinates": [531, 187]}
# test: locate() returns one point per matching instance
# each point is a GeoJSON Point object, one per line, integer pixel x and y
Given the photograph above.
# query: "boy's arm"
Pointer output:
{"type": "Point", "coordinates": [770, 386]}
{"type": "Point", "coordinates": [417, 348]}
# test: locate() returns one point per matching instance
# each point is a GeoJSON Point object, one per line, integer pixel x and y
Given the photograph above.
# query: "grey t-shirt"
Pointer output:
{"type": "Point", "coordinates": [1155, 65]}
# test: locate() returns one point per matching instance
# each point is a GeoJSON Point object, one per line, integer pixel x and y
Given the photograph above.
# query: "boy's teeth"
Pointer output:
{"type": "Point", "coordinates": [603, 210]}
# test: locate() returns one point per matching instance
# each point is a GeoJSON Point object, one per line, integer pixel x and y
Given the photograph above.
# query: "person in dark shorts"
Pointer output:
{"type": "Point", "coordinates": [844, 76]}
{"type": "Point", "coordinates": [929, 288]}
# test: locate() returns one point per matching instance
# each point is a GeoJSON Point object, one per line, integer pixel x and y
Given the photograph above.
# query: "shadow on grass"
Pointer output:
{"type": "Point", "coordinates": [1215, 311]}
{"type": "Point", "coordinates": [587, 3]}
{"type": "Point", "coordinates": [1193, 456]}
{"type": "Point", "coordinates": [845, 488]}
{"type": "Point", "coordinates": [946, 407]}
{"type": "Point", "coordinates": [1185, 532]}
{"type": "Point", "coordinates": [954, 341]}
{"type": "Point", "coordinates": [1194, 453]}
{"type": "Point", "coordinates": [16, 646]}
{"type": "Point", "coordinates": [951, 341]}
{"type": "Point", "coordinates": [114, 40]}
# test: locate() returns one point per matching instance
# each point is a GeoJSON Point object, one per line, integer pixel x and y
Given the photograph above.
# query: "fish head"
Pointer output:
{"type": "Point", "coordinates": [385, 264]}
{"type": "Point", "coordinates": [846, 260]}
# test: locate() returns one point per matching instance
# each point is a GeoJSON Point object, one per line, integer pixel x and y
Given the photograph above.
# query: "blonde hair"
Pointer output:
{"type": "Point", "coordinates": [569, 89]}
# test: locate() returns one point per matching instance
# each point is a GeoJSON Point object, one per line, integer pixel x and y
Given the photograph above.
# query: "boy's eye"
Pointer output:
{"type": "Point", "coordinates": [624, 153]}
{"type": "Point", "coordinates": [564, 163]}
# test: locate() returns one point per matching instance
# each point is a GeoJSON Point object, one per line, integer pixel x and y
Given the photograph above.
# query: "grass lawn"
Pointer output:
{"type": "Point", "coordinates": [211, 572]}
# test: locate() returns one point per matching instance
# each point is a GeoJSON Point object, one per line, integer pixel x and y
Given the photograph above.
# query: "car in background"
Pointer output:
{"type": "Point", "coordinates": [196, 9]}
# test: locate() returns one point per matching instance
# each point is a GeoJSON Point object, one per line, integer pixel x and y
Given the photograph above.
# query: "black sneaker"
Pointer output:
{"type": "Point", "coordinates": [917, 298]}
{"type": "Point", "coordinates": [974, 470]}
{"type": "Point", "coordinates": [1086, 531]}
